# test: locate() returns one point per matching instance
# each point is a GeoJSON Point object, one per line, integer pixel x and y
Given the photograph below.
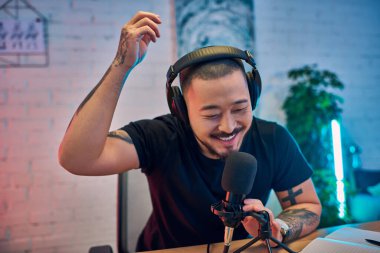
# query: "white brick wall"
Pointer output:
{"type": "Point", "coordinates": [45, 209]}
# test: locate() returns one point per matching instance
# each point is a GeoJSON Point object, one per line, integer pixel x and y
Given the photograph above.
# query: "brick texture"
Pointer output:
{"type": "Point", "coordinates": [43, 208]}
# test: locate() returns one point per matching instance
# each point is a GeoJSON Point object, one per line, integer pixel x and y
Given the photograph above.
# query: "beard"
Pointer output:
{"type": "Point", "coordinates": [216, 135]}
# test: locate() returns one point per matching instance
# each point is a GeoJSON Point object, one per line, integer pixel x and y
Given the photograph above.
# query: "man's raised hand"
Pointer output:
{"type": "Point", "coordinates": [135, 37]}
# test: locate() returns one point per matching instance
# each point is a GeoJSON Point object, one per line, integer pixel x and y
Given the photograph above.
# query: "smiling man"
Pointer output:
{"type": "Point", "coordinates": [219, 106]}
{"type": "Point", "coordinates": [183, 153]}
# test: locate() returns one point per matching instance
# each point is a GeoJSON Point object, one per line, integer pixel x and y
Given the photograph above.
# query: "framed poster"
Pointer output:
{"type": "Point", "coordinates": [23, 35]}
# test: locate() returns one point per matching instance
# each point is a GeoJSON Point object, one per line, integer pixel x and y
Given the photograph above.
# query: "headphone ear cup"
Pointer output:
{"type": "Point", "coordinates": [178, 106]}
{"type": "Point", "coordinates": [254, 86]}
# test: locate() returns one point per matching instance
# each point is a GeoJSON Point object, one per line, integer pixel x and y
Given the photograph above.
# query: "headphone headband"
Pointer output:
{"type": "Point", "coordinates": [206, 54]}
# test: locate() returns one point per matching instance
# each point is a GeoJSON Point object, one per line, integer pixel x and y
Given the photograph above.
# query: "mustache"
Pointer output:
{"type": "Point", "coordinates": [220, 134]}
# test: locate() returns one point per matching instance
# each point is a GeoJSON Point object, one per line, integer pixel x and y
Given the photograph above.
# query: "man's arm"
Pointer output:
{"type": "Point", "coordinates": [301, 209]}
{"type": "Point", "coordinates": [86, 148]}
{"type": "Point", "coordinates": [301, 212]}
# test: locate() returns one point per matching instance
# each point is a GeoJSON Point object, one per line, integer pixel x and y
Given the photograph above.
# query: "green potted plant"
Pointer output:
{"type": "Point", "coordinates": [309, 107]}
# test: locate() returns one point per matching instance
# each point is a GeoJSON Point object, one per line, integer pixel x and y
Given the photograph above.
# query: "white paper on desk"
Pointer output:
{"type": "Point", "coordinates": [327, 245]}
{"type": "Point", "coordinates": [355, 235]}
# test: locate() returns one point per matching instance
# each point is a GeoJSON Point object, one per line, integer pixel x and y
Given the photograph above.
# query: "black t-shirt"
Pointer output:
{"type": "Point", "coordinates": [183, 183]}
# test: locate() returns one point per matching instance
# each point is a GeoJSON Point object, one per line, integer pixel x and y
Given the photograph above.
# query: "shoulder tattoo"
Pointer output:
{"type": "Point", "coordinates": [121, 134]}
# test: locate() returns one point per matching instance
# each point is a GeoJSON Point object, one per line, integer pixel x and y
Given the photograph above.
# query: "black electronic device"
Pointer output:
{"type": "Point", "coordinates": [237, 180]}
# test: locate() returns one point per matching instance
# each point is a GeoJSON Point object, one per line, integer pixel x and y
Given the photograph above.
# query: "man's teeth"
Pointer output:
{"type": "Point", "coordinates": [227, 138]}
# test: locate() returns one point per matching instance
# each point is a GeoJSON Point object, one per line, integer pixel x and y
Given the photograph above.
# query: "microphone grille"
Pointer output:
{"type": "Point", "coordinates": [239, 173]}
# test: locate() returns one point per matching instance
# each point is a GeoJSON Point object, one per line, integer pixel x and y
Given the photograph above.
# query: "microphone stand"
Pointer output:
{"type": "Point", "coordinates": [265, 233]}
{"type": "Point", "coordinates": [234, 218]}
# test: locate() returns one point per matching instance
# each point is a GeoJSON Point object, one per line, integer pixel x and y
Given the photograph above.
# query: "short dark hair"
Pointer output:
{"type": "Point", "coordinates": [209, 70]}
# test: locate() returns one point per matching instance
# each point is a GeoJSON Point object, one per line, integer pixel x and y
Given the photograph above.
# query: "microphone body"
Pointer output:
{"type": "Point", "coordinates": [237, 180]}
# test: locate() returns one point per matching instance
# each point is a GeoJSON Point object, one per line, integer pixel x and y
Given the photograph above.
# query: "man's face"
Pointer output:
{"type": "Point", "coordinates": [220, 113]}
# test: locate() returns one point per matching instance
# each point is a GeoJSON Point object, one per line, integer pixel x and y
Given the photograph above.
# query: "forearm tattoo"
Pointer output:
{"type": "Point", "coordinates": [119, 59]}
{"type": "Point", "coordinates": [292, 196]}
{"type": "Point", "coordinates": [89, 96]}
{"type": "Point", "coordinates": [120, 134]}
{"type": "Point", "coordinates": [296, 220]}
{"type": "Point", "coordinates": [122, 49]}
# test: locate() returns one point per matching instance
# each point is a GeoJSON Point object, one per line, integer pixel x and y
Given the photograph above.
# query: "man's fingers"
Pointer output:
{"type": "Point", "coordinates": [146, 30]}
{"type": "Point", "coordinates": [148, 22]}
{"type": "Point", "coordinates": [256, 205]}
{"type": "Point", "coordinates": [252, 205]}
{"type": "Point", "coordinates": [146, 39]}
{"type": "Point", "coordinates": [142, 14]}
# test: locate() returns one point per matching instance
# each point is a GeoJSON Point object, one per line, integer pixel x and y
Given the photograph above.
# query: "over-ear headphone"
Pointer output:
{"type": "Point", "coordinates": [174, 95]}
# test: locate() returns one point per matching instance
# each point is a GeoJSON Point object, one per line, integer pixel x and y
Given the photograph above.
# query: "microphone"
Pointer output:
{"type": "Point", "coordinates": [237, 180]}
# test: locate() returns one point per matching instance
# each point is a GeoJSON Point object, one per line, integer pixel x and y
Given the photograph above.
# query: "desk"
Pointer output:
{"type": "Point", "coordinates": [297, 245]}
